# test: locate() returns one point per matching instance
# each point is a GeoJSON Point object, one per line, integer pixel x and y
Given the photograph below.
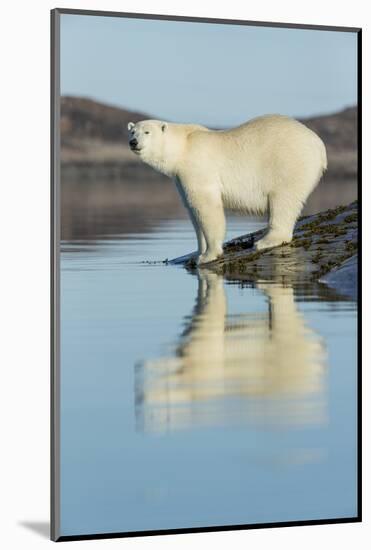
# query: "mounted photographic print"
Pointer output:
{"type": "Point", "coordinates": [205, 187]}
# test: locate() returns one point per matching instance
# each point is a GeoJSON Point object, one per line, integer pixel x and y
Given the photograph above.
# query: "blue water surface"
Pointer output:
{"type": "Point", "coordinates": [190, 401]}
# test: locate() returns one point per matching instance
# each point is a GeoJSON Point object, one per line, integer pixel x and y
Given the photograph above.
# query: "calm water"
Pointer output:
{"type": "Point", "coordinates": [188, 401]}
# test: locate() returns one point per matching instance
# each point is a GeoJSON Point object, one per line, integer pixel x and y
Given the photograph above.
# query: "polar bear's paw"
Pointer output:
{"type": "Point", "coordinates": [271, 240]}
{"type": "Point", "coordinates": [207, 257]}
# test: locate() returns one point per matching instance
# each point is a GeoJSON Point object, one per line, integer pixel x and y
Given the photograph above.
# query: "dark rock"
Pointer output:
{"type": "Point", "coordinates": [344, 279]}
{"type": "Point", "coordinates": [321, 245]}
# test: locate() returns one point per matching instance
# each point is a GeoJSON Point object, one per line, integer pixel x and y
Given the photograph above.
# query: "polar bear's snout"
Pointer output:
{"type": "Point", "coordinates": [133, 143]}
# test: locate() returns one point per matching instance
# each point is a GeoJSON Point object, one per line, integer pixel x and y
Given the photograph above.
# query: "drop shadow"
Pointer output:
{"type": "Point", "coordinates": [42, 528]}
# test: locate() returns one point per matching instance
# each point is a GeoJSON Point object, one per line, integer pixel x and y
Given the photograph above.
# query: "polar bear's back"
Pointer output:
{"type": "Point", "coordinates": [269, 134]}
{"type": "Point", "coordinates": [278, 142]}
{"type": "Point", "coordinates": [259, 157]}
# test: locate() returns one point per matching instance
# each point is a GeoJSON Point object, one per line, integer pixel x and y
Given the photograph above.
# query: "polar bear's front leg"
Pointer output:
{"type": "Point", "coordinates": [201, 241]}
{"type": "Point", "coordinates": [209, 216]}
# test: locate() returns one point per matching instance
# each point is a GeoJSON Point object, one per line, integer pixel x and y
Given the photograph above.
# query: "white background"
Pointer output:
{"type": "Point", "coordinates": [24, 300]}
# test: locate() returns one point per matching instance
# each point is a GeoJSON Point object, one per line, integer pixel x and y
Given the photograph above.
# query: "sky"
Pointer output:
{"type": "Point", "coordinates": [213, 74]}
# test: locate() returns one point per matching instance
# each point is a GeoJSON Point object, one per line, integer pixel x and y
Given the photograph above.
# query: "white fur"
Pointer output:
{"type": "Point", "coordinates": [273, 357]}
{"type": "Point", "coordinates": [269, 163]}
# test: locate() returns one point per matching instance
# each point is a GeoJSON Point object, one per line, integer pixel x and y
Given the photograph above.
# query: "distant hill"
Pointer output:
{"type": "Point", "coordinates": [83, 118]}
{"type": "Point", "coordinates": [94, 134]}
{"type": "Point", "coordinates": [338, 130]}
{"type": "Point", "coordinates": [123, 195]}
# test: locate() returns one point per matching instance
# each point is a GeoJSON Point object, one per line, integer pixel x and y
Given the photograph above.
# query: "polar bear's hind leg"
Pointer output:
{"type": "Point", "coordinates": [284, 209]}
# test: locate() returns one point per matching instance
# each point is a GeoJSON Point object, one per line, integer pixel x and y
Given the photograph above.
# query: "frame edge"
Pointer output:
{"type": "Point", "coordinates": [54, 279]}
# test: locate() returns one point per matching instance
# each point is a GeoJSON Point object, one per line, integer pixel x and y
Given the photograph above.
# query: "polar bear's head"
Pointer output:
{"type": "Point", "coordinates": [153, 141]}
{"type": "Point", "coordinates": [146, 135]}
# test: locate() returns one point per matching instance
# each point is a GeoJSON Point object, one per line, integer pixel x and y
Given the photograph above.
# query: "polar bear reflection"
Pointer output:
{"type": "Point", "coordinates": [255, 367]}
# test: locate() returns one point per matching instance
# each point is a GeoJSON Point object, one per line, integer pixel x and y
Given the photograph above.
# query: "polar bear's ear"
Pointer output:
{"type": "Point", "coordinates": [131, 126]}
{"type": "Point", "coordinates": [163, 127]}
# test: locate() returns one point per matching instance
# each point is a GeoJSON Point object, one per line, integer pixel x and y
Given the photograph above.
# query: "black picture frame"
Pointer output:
{"type": "Point", "coordinates": [55, 278]}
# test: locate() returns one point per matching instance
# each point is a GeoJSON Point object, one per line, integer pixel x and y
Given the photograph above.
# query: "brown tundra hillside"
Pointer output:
{"type": "Point", "coordinates": [95, 133]}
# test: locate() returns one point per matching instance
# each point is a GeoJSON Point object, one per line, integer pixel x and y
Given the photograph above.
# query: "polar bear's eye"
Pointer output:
{"type": "Point", "coordinates": [146, 132]}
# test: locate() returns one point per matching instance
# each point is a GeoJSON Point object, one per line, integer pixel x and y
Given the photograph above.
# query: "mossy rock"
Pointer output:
{"type": "Point", "coordinates": [321, 243]}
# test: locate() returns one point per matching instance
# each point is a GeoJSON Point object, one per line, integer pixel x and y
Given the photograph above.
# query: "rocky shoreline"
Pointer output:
{"type": "Point", "coordinates": [324, 249]}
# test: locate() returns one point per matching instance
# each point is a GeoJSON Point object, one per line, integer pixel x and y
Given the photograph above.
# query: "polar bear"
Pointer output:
{"type": "Point", "coordinates": [269, 164]}
{"type": "Point", "coordinates": [273, 357]}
